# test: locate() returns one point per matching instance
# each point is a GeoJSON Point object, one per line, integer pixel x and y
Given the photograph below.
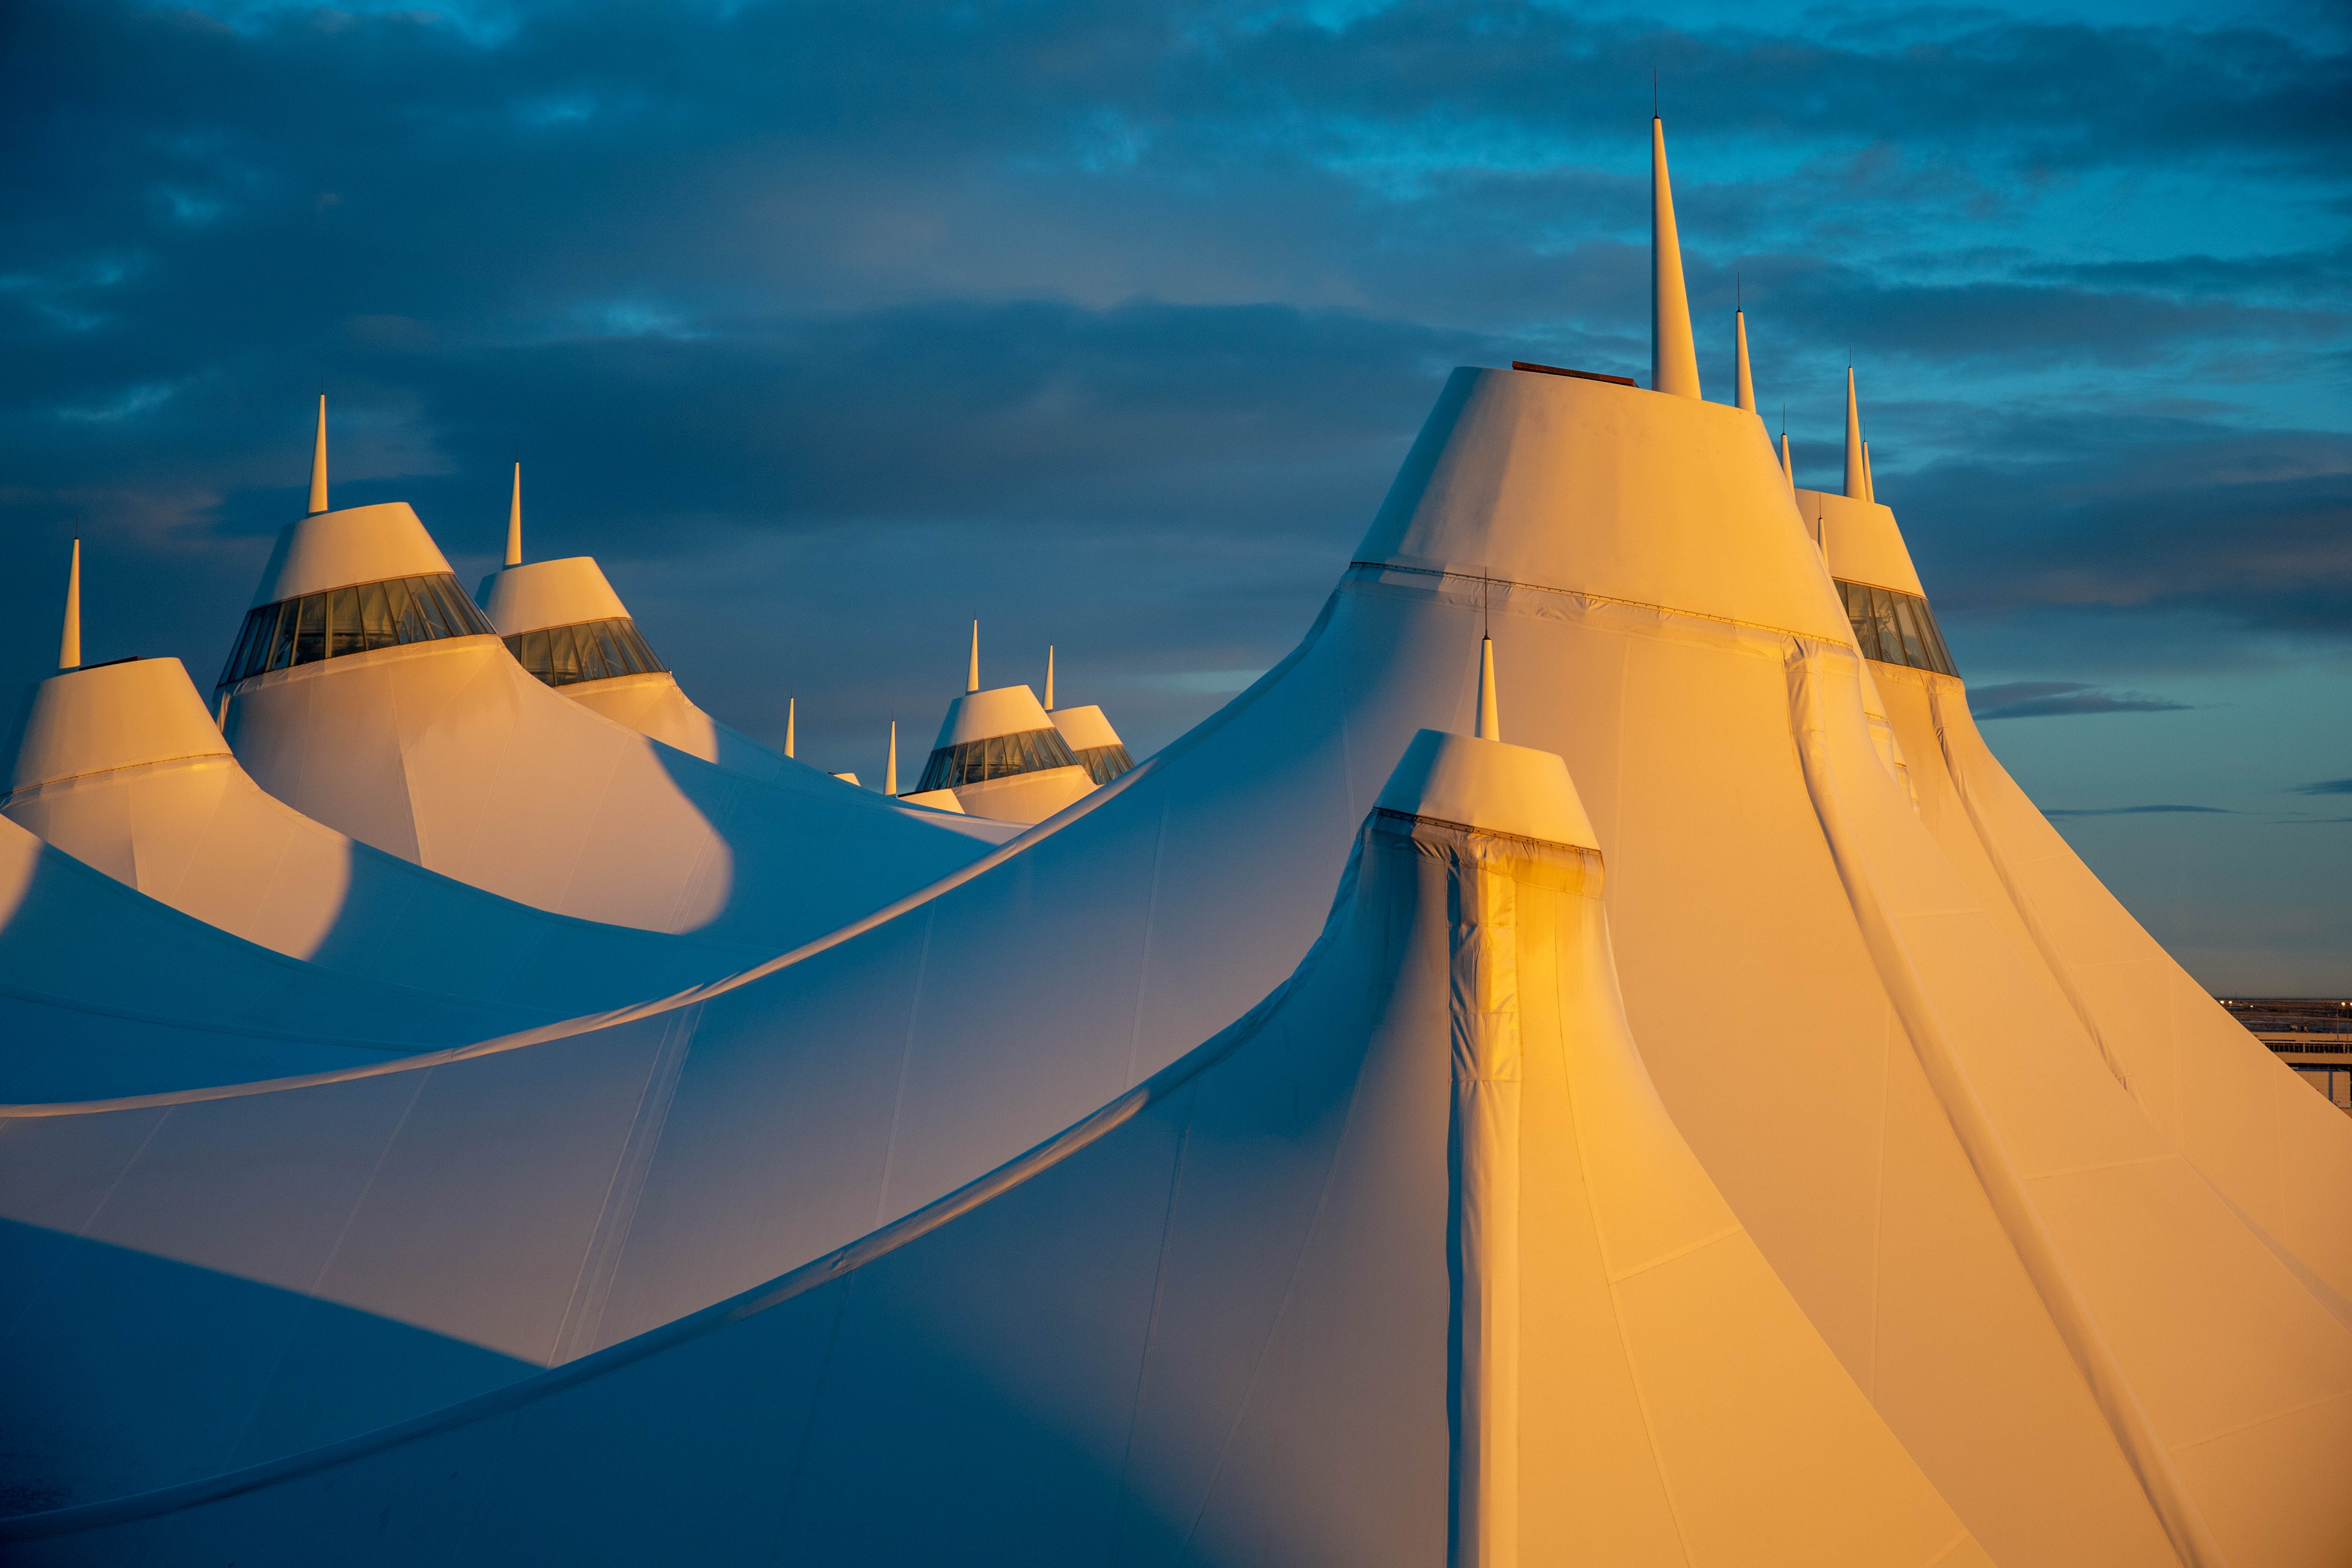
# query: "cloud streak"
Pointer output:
{"type": "Point", "coordinates": [2058, 699]}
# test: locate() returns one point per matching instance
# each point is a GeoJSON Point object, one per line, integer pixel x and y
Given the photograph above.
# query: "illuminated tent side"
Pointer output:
{"type": "Point", "coordinates": [1093, 743]}
{"type": "Point", "coordinates": [2215, 1092]}
{"type": "Point", "coordinates": [564, 623]}
{"type": "Point", "coordinates": [371, 694]}
{"type": "Point", "coordinates": [1639, 558]}
{"type": "Point", "coordinates": [1335, 1183]}
{"type": "Point", "coordinates": [998, 755]}
{"type": "Point", "coordinates": [2092, 1355]}
{"type": "Point", "coordinates": [122, 768]}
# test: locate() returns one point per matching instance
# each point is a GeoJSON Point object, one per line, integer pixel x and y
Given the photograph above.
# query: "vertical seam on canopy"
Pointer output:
{"type": "Point", "coordinates": [1282, 1309]}
{"type": "Point", "coordinates": [1151, 1323]}
{"type": "Point", "coordinates": [81, 1230]}
{"type": "Point", "coordinates": [848, 1283]}
{"type": "Point", "coordinates": [1616, 1301]}
{"type": "Point", "coordinates": [311, 1300]}
{"type": "Point", "coordinates": [905, 1059]}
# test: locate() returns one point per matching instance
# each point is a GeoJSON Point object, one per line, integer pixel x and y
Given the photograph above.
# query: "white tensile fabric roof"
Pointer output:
{"type": "Point", "coordinates": [448, 754]}
{"type": "Point", "coordinates": [122, 768]}
{"type": "Point", "coordinates": [1217, 1320]}
{"type": "Point", "coordinates": [2078, 1241]}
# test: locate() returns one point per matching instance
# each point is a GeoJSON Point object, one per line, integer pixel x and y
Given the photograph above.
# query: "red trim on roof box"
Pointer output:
{"type": "Point", "coordinates": [1580, 374]}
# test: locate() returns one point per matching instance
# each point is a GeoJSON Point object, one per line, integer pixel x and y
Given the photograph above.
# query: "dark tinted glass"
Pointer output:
{"type": "Point", "coordinates": [585, 650]}
{"type": "Point", "coordinates": [352, 620]}
{"type": "Point", "coordinates": [1896, 628]}
{"type": "Point", "coordinates": [997, 757]}
{"type": "Point", "coordinates": [1104, 764]}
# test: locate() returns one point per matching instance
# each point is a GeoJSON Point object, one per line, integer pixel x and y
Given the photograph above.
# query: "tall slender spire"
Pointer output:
{"type": "Point", "coordinates": [1788, 468]}
{"type": "Point", "coordinates": [1490, 718]}
{"type": "Point", "coordinates": [1049, 678]}
{"type": "Point", "coordinates": [971, 680]}
{"type": "Point", "coordinates": [514, 521]}
{"type": "Point", "coordinates": [791, 722]}
{"type": "Point", "coordinates": [1673, 362]}
{"type": "Point", "coordinates": [1747, 386]}
{"type": "Point", "coordinates": [319, 461]}
{"type": "Point", "coordinates": [70, 644]}
{"type": "Point", "coordinates": [890, 767]}
{"type": "Point", "coordinates": [1857, 478]}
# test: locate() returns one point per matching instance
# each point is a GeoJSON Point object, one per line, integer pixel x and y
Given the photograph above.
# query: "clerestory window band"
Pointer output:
{"type": "Point", "coordinates": [585, 650]}
{"type": "Point", "coordinates": [1896, 628]}
{"type": "Point", "coordinates": [357, 619]}
{"type": "Point", "coordinates": [996, 757]}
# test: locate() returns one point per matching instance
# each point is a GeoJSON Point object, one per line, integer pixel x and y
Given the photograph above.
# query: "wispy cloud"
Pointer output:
{"type": "Point", "coordinates": [2135, 810]}
{"type": "Point", "coordinates": [2327, 786]}
{"type": "Point", "coordinates": [2054, 698]}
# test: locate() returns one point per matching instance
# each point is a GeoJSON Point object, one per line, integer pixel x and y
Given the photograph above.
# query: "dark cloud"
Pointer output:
{"type": "Point", "coordinates": [2051, 698]}
{"type": "Point", "coordinates": [2328, 786]}
{"type": "Point", "coordinates": [763, 290]}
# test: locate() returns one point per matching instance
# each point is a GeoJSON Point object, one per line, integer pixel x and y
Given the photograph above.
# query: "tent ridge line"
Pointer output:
{"type": "Point", "coordinates": [36, 791]}
{"type": "Point", "coordinates": [2004, 1186]}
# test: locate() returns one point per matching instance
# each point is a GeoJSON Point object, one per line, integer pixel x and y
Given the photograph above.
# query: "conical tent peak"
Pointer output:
{"type": "Point", "coordinates": [972, 677]}
{"type": "Point", "coordinates": [1857, 481]}
{"type": "Point", "coordinates": [1049, 678]}
{"type": "Point", "coordinates": [319, 461]}
{"type": "Point", "coordinates": [1490, 718]}
{"type": "Point", "coordinates": [1673, 361]}
{"type": "Point", "coordinates": [1745, 383]}
{"type": "Point", "coordinates": [69, 643]}
{"type": "Point", "coordinates": [791, 720]}
{"type": "Point", "coordinates": [514, 521]}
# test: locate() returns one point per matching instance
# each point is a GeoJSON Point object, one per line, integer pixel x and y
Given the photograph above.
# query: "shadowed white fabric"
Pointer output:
{"type": "Point", "coordinates": [1148, 1340]}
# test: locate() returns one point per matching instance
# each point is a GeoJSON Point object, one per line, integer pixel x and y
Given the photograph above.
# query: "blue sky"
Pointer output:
{"type": "Point", "coordinates": [828, 327]}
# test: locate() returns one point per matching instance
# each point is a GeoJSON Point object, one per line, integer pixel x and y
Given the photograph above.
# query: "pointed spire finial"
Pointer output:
{"type": "Point", "coordinates": [70, 644]}
{"type": "Point", "coordinates": [1857, 484]}
{"type": "Point", "coordinates": [1869, 485]}
{"type": "Point", "coordinates": [1049, 678]}
{"type": "Point", "coordinates": [792, 721]}
{"type": "Point", "coordinates": [1673, 361]}
{"type": "Point", "coordinates": [890, 767]}
{"type": "Point", "coordinates": [1788, 468]}
{"type": "Point", "coordinates": [1490, 718]}
{"type": "Point", "coordinates": [514, 520]}
{"type": "Point", "coordinates": [1746, 392]}
{"type": "Point", "coordinates": [319, 461]}
{"type": "Point", "coordinates": [971, 680]}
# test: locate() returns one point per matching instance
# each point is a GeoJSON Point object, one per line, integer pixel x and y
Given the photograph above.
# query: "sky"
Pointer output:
{"type": "Point", "coordinates": [828, 328]}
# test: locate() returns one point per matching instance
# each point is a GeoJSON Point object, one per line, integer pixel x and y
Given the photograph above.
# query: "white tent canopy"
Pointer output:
{"type": "Point", "coordinates": [1910, 1118]}
{"type": "Point", "coordinates": [1148, 1339]}
{"type": "Point", "coordinates": [444, 751]}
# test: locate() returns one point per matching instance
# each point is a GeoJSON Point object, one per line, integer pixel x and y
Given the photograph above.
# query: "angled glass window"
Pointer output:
{"type": "Point", "coordinates": [585, 650]}
{"type": "Point", "coordinates": [352, 620]}
{"type": "Point", "coordinates": [1104, 764]}
{"type": "Point", "coordinates": [998, 757]}
{"type": "Point", "coordinates": [1896, 628]}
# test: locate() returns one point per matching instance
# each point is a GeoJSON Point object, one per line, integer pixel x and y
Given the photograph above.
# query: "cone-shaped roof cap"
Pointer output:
{"type": "Point", "coordinates": [1673, 361]}
{"type": "Point", "coordinates": [319, 460]}
{"type": "Point", "coordinates": [1857, 483]}
{"type": "Point", "coordinates": [538, 593]}
{"type": "Point", "coordinates": [514, 522]}
{"type": "Point", "coordinates": [69, 641]}
{"type": "Point", "coordinates": [357, 544]}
